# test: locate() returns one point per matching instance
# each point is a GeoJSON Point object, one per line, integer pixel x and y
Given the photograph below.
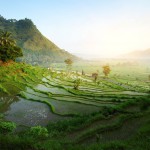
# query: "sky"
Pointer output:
{"type": "Point", "coordinates": [87, 28]}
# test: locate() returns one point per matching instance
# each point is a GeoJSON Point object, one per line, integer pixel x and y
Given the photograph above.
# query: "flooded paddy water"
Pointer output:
{"type": "Point", "coordinates": [25, 112]}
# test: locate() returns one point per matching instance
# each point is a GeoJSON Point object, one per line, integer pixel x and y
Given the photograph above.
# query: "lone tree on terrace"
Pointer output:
{"type": "Point", "coordinates": [95, 76]}
{"type": "Point", "coordinates": [8, 48]}
{"type": "Point", "coordinates": [106, 70]}
{"type": "Point", "coordinates": [69, 63]}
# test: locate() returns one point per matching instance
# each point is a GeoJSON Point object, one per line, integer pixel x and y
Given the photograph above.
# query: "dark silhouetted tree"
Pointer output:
{"type": "Point", "coordinates": [8, 48]}
{"type": "Point", "coordinates": [95, 76]}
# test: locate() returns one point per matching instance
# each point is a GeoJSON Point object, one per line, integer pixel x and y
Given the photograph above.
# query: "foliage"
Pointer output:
{"type": "Point", "coordinates": [2, 89]}
{"type": "Point", "coordinates": [116, 108]}
{"type": "Point", "coordinates": [95, 76]}
{"type": "Point", "coordinates": [37, 49]}
{"type": "Point", "coordinates": [68, 61]}
{"type": "Point", "coordinates": [109, 146]}
{"type": "Point", "coordinates": [5, 39]}
{"type": "Point", "coordinates": [39, 132]}
{"type": "Point", "coordinates": [77, 83]}
{"type": "Point", "coordinates": [16, 142]}
{"type": "Point", "coordinates": [15, 77]}
{"type": "Point", "coordinates": [106, 70]}
{"type": "Point", "coordinates": [145, 104]}
{"type": "Point", "coordinates": [106, 111]}
{"type": "Point", "coordinates": [7, 127]}
{"type": "Point", "coordinates": [8, 48]}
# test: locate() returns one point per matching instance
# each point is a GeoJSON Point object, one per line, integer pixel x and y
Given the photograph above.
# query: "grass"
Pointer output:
{"type": "Point", "coordinates": [103, 108]}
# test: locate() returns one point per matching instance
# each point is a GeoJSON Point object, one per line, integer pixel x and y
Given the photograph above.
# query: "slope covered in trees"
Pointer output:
{"type": "Point", "coordinates": [37, 49]}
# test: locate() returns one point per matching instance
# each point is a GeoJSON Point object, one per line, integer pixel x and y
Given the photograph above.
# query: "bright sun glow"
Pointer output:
{"type": "Point", "coordinates": [89, 28]}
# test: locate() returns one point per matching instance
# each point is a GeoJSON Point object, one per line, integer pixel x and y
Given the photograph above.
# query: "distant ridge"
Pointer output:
{"type": "Point", "coordinates": [144, 54]}
{"type": "Point", "coordinates": [37, 49]}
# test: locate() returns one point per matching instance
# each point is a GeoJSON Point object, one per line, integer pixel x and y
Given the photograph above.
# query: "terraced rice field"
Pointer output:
{"type": "Point", "coordinates": [62, 99]}
{"type": "Point", "coordinates": [109, 109]}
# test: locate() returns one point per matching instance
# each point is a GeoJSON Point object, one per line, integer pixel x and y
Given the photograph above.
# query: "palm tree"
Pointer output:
{"type": "Point", "coordinates": [8, 48]}
{"type": "Point", "coordinates": [5, 39]}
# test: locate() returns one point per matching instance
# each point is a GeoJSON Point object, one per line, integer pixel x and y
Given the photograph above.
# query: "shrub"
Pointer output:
{"type": "Point", "coordinates": [2, 89]}
{"type": "Point", "coordinates": [77, 83]}
{"type": "Point", "coordinates": [144, 104]}
{"type": "Point", "coordinates": [7, 127]}
{"type": "Point", "coordinates": [1, 116]}
{"type": "Point", "coordinates": [15, 142]}
{"type": "Point", "coordinates": [38, 132]}
{"type": "Point", "coordinates": [106, 111]}
{"type": "Point", "coordinates": [114, 146]}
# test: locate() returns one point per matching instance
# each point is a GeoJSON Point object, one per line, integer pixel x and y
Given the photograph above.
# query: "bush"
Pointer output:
{"type": "Point", "coordinates": [77, 83]}
{"type": "Point", "coordinates": [144, 104]}
{"type": "Point", "coordinates": [7, 127]}
{"type": "Point", "coordinates": [106, 111]}
{"type": "Point", "coordinates": [14, 142]}
{"type": "Point", "coordinates": [115, 146]}
{"type": "Point", "coordinates": [38, 132]}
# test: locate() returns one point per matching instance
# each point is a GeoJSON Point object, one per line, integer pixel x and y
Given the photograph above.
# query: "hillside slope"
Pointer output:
{"type": "Point", "coordinates": [145, 54]}
{"type": "Point", "coordinates": [37, 49]}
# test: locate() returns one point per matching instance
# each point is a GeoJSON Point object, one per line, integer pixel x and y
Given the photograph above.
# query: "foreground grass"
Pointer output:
{"type": "Point", "coordinates": [139, 141]}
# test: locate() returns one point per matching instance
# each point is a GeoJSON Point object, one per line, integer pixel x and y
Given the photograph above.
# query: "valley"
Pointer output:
{"type": "Point", "coordinates": [105, 110]}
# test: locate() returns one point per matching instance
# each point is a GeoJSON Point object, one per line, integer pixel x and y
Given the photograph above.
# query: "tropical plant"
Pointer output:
{"type": "Point", "coordinates": [7, 127]}
{"type": "Point", "coordinates": [6, 40]}
{"type": "Point", "coordinates": [38, 132]}
{"type": "Point", "coordinates": [77, 84]}
{"type": "Point", "coordinates": [8, 48]}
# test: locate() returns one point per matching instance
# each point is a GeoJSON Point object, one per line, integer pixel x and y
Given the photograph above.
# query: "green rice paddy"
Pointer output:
{"type": "Point", "coordinates": [108, 110]}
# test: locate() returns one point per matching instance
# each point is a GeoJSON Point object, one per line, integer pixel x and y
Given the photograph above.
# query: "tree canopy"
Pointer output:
{"type": "Point", "coordinates": [106, 70]}
{"type": "Point", "coordinates": [68, 61]}
{"type": "Point", "coordinates": [8, 48]}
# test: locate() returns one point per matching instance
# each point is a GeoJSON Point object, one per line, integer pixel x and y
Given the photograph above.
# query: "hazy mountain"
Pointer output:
{"type": "Point", "coordinates": [37, 49]}
{"type": "Point", "coordinates": [144, 54]}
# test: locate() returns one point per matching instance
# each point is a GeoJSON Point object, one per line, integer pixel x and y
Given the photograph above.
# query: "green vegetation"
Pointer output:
{"type": "Point", "coordinates": [7, 127]}
{"type": "Point", "coordinates": [8, 49]}
{"type": "Point", "coordinates": [38, 132]}
{"type": "Point", "coordinates": [37, 49]}
{"type": "Point", "coordinates": [106, 70]}
{"type": "Point", "coordinates": [95, 76]}
{"type": "Point", "coordinates": [69, 63]}
{"type": "Point", "coordinates": [109, 114]}
{"type": "Point", "coordinates": [77, 83]}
